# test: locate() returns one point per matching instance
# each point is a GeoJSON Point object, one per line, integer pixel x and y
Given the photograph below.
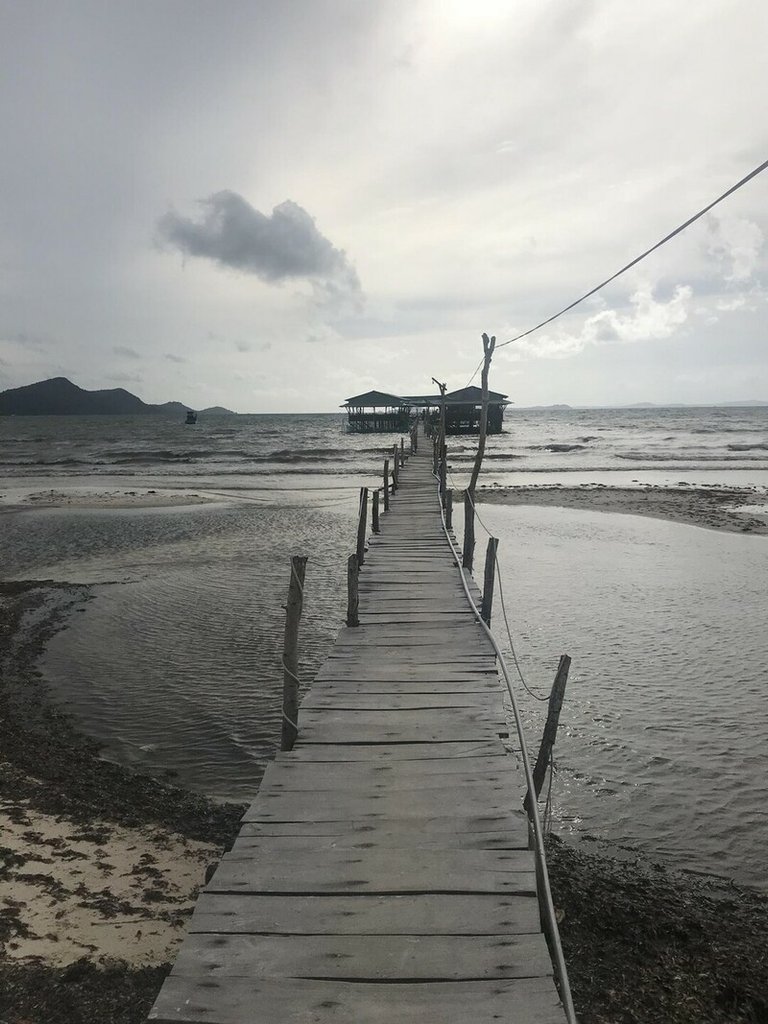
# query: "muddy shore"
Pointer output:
{"type": "Point", "coordinates": [104, 860]}
{"type": "Point", "coordinates": [736, 509]}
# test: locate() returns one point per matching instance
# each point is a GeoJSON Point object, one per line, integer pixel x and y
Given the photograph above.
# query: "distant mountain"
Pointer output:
{"type": "Point", "coordinates": [60, 397]}
{"type": "Point", "coordinates": [217, 410]}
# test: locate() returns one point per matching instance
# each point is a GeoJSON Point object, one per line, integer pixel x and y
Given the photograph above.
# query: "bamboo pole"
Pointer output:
{"type": "Point", "coordinates": [362, 525]}
{"type": "Point", "coordinates": [386, 485]}
{"type": "Point", "coordinates": [293, 609]}
{"type": "Point", "coordinates": [490, 576]}
{"type": "Point", "coordinates": [402, 451]}
{"type": "Point", "coordinates": [550, 729]}
{"type": "Point", "coordinates": [449, 509]}
{"type": "Point", "coordinates": [443, 473]}
{"type": "Point", "coordinates": [375, 511]}
{"type": "Point", "coordinates": [395, 472]}
{"type": "Point", "coordinates": [353, 598]}
{"type": "Point", "coordinates": [468, 551]}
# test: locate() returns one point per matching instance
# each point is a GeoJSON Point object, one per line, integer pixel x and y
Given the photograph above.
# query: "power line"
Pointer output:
{"type": "Point", "coordinates": [635, 261]}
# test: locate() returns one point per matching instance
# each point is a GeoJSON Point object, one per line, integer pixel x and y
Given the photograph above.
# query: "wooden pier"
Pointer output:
{"type": "Point", "coordinates": [383, 872]}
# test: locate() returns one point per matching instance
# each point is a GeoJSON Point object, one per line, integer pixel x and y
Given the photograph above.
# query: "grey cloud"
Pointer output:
{"type": "Point", "coordinates": [123, 350]}
{"type": "Point", "coordinates": [284, 245]}
{"type": "Point", "coordinates": [173, 358]}
{"type": "Point", "coordinates": [246, 346]}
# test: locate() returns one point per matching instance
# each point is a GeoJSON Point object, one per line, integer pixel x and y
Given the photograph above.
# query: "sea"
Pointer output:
{"type": "Point", "coordinates": [173, 665]}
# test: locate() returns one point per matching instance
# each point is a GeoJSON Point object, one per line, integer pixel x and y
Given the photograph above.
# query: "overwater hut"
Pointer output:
{"type": "Point", "coordinates": [377, 412]}
{"type": "Point", "coordinates": [462, 409]}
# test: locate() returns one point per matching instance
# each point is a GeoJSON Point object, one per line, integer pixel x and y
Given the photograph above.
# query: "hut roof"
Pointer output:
{"type": "Point", "coordinates": [373, 399]}
{"type": "Point", "coordinates": [464, 396]}
{"type": "Point", "coordinates": [473, 396]}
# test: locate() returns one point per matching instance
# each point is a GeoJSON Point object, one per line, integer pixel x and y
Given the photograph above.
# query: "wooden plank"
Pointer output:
{"type": "Point", "coordinates": [345, 804]}
{"type": "Point", "coordinates": [365, 957]}
{"type": "Point", "coordinates": [449, 826]}
{"type": "Point", "coordinates": [423, 914]}
{"type": "Point", "coordinates": [377, 871]}
{"type": "Point", "coordinates": [266, 1001]}
{"type": "Point", "coordinates": [501, 768]}
{"type": "Point", "coordinates": [324, 700]}
{"type": "Point", "coordinates": [352, 752]}
{"type": "Point", "coordinates": [383, 838]}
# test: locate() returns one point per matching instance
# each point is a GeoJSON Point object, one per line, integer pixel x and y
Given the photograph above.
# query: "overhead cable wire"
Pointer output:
{"type": "Point", "coordinates": [681, 227]}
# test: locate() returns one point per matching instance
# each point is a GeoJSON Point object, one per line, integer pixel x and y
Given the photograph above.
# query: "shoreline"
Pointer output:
{"type": "Point", "coordinates": [104, 864]}
{"type": "Point", "coordinates": [734, 509]}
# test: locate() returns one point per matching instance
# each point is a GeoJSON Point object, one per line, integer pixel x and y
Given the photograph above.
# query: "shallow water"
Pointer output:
{"type": "Point", "coordinates": [663, 743]}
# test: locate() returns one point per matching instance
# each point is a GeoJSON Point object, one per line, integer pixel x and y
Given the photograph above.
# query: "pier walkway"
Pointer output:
{"type": "Point", "coordinates": [382, 874]}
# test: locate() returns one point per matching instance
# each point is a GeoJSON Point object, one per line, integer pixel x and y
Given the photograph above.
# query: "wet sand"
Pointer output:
{"type": "Point", "coordinates": [18, 498]}
{"type": "Point", "coordinates": [739, 510]}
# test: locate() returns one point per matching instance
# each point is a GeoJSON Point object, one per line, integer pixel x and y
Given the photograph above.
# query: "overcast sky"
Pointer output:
{"type": "Point", "coordinates": [275, 205]}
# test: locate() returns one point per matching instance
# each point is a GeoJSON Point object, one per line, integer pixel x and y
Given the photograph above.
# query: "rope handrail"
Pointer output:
{"type": "Point", "coordinates": [539, 853]}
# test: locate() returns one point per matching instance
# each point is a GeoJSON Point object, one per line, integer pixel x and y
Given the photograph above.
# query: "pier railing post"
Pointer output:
{"type": "Point", "coordinates": [362, 525]}
{"type": "Point", "coordinates": [550, 729]}
{"type": "Point", "coordinates": [402, 451]}
{"type": "Point", "coordinates": [468, 550]}
{"type": "Point", "coordinates": [375, 511]}
{"type": "Point", "coordinates": [353, 576]}
{"type": "Point", "coordinates": [395, 473]}
{"type": "Point", "coordinates": [386, 485]}
{"type": "Point", "coordinates": [443, 472]}
{"type": "Point", "coordinates": [293, 607]}
{"type": "Point", "coordinates": [490, 575]}
{"type": "Point", "coordinates": [449, 509]}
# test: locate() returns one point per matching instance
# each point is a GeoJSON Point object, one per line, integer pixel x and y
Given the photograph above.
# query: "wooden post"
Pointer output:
{"type": "Point", "coordinates": [290, 729]}
{"type": "Point", "coordinates": [449, 509]}
{"type": "Point", "coordinates": [490, 575]}
{"type": "Point", "coordinates": [468, 552]}
{"type": "Point", "coordinates": [489, 344]}
{"type": "Point", "coordinates": [402, 451]}
{"type": "Point", "coordinates": [362, 525]}
{"type": "Point", "coordinates": [550, 729]}
{"type": "Point", "coordinates": [395, 473]}
{"type": "Point", "coordinates": [386, 485]}
{"type": "Point", "coordinates": [443, 473]}
{"type": "Point", "coordinates": [353, 576]}
{"type": "Point", "coordinates": [375, 511]}
{"type": "Point", "coordinates": [435, 457]}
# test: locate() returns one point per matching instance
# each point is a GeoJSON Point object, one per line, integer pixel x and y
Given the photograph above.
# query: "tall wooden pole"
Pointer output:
{"type": "Point", "coordinates": [550, 729]}
{"type": "Point", "coordinates": [362, 525]}
{"type": "Point", "coordinates": [490, 576]}
{"type": "Point", "coordinates": [468, 552]}
{"type": "Point", "coordinates": [386, 485]}
{"type": "Point", "coordinates": [489, 344]}
{"type": "Point", "coordinates": [375, 511]}
{"type": "Point", "coordinates": [293, 608]}
{"type": "Point", "coordinates": [353, 598]}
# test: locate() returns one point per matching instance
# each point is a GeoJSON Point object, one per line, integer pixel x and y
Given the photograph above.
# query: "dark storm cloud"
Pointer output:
{"type": "Point", "coordinates": [286, 244]}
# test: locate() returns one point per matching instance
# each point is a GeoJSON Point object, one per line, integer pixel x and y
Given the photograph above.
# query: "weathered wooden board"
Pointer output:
{"type": "Point", "coordinates": [374, 805]}
{"type": "Point", "coordinates": [324, 700]}
{"type": "Point", "coordinates": [365, 957]}
{"type": "Point", "coordinates": [266, 1001]}
{"type": "Point", "coordinates": [383, 838]}
{"type": "Point", "coordinates": [422, 914]}
{"type": "Point", "coordinates": [448, 825]}
{"type": "Point", "coordinates": [352, 752]}
{"type": "Point", "coordinates": [377, 871]}
{"type": "Point", "coordinates": [502, 769]}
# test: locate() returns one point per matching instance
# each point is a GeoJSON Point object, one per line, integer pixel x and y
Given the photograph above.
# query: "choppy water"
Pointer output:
{"type": "Point", "coordinates": [176, 663]}
{"type": "Point", "coordinates": [267, 451]}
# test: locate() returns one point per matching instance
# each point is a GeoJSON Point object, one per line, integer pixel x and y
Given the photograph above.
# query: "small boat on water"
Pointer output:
{"type": "Point", "coordinates": [191, 416]}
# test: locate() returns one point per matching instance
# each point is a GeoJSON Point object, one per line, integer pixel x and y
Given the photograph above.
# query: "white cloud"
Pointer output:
{"type": "Point", "coordinates": [737, 243]}
{"type": "Point", "coordinates": [648, 320]}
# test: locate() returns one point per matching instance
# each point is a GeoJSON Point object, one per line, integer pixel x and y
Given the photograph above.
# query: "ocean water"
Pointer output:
{"type": "Point", "coordinates": [175, 663]}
